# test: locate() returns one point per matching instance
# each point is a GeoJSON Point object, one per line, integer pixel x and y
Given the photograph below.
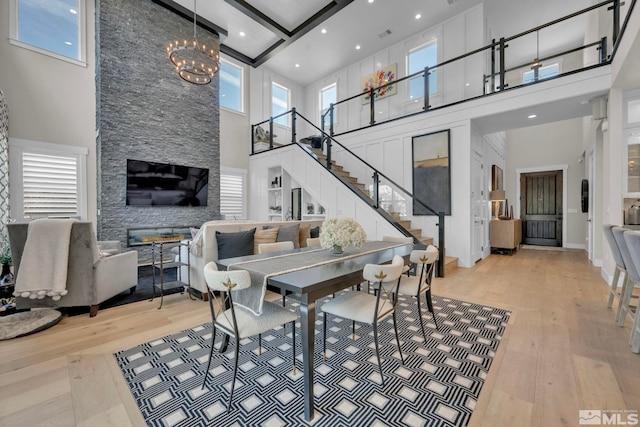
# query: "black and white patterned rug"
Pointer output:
{"type": "Point", "coordinates": [437, 386]}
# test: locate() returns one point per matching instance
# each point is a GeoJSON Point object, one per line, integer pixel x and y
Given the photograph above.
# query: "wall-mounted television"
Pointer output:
{"type": "Point", "coordinates": [163, 184]}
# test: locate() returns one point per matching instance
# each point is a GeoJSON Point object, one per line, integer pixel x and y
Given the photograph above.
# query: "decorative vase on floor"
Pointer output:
{"type": "Point", "coordinates": [5, 275]}
{"type": "Point", "coordinates": [337, 250]}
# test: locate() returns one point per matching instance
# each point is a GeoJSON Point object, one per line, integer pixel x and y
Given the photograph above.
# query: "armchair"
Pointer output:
{"type": "Point", "coordinates": [91, 278]}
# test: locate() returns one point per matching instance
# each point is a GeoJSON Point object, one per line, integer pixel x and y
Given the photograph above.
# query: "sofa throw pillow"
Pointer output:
{"type": "Point", "coordinates": [303, 234]}
{"type": "Point", "coordinates": [235, 244]}
{"type": "Point", "coordinates": [289, 232]}
{"type": "Point", "coordinates": [315, 232]}
{"type": "Point", "coordinates": [264, 236]}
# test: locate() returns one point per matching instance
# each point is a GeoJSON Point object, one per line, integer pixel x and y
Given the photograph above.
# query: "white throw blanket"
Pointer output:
{"type": "Point", "coordinates": [43, 267]}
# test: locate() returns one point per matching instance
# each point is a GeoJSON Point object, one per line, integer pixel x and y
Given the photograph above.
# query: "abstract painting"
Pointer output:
{"type": "Point", "coordinates": [378, 78]}
{"type": "Point", "coordinates": [432, 173]}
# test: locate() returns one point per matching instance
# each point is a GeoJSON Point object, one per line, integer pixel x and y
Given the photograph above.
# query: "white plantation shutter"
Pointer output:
{"type": "Point", "coordinates": [47, 180]}
{"type": "Point", "coordinates": [232, 194]}
{"type": "Point", "coordinates": [50, 185]}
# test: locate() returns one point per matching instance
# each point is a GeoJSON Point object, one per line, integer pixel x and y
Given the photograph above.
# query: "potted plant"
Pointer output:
{"type": "Point", "coordinates": [337, 234]}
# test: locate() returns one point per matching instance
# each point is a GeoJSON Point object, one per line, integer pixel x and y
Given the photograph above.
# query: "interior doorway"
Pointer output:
{"type": "Point", "coordinates": [542, 207]}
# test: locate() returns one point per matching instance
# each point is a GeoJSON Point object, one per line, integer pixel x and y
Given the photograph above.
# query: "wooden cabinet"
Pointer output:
{"type": "Point", "coordinates": [505, 233]}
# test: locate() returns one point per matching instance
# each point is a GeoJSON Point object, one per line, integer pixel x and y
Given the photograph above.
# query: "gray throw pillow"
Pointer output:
{"type": "Point", "coordinates": [231, 245]}
{"type": "Point", "coordinates": [288, 233]}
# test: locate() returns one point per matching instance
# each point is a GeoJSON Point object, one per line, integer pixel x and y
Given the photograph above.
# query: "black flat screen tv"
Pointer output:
{"type": "Point", "coordinates": [163, 184]}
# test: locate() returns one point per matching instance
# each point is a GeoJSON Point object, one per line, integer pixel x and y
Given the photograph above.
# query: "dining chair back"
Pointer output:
{"type": "Point", "coordinates": [267, 248]}
{"type": "Point", "coordinates": [364, 307]}
{"type": "Point", "coordinates": [632, 238]}
{"type": "Point", "coordinates": [620, 267]}
{"type": "Point", "coordinates": [415, 286]}
{"type": "Point", "coordinates": [313, 241]}
{"type": "Point", "coordinates": [238, 322]}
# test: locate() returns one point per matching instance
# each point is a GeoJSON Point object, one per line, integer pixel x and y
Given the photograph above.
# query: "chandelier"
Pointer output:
{"type": "Point", "coordinates": [195, 62]}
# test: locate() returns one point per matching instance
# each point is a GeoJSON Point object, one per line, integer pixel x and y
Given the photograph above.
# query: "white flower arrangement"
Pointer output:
{"type": "Point", "coordinates": [341, 232]}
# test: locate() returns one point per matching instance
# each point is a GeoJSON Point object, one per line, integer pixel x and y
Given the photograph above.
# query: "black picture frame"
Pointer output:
{"type": "Point", "coordinates": [431, 168]}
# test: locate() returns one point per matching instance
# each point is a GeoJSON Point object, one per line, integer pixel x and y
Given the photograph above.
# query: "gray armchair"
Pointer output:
{"type": "Point", "coordinates": [91, 278]}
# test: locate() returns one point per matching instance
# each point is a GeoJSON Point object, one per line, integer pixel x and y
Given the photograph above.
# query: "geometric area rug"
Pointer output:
{"type": "Point", "coordinates": [438, 385]}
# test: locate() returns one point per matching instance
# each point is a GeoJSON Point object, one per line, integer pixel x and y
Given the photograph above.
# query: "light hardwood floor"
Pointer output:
{"type": "Point", "coordinates": [561, 352]}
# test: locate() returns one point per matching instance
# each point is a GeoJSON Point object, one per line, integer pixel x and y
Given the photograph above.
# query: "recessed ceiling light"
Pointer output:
{"type": "Point", "coordinates": [532, 116]}
{"type": "Point", "coordinates": [467, 84]}
{"type": "Point", "coordinates": [370, 1]}
{"type": "Point", "coordinates": [242, 34]}
{"type": "Point", "coordinates": [297, 65]}
{"type": "Point", "coordinates": [323, 31]}
{"type": "Point", "coordinates": [68, 43]}
{"type": "Point", "coordinates": [357, 47]}
{"type": "Point", "coordinates": [418, 16]}
{"type": "Point", "coordinates": [73, 11]}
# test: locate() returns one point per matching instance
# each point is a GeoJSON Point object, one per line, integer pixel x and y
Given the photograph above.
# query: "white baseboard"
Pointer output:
{"type": "Point", "coordinates": [575, 246]}
{"type": "Point", "coordinates": [597, 263]}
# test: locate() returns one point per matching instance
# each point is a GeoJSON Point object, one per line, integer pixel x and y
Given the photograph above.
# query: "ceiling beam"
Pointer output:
{"type": "Point", "coordinates": [286, 37]}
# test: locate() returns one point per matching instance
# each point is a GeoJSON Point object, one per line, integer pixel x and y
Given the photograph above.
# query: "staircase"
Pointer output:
{"type": "Point", "coordinates": [451, 263]}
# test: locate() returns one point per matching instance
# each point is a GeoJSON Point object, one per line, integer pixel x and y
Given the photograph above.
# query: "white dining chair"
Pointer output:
{"type": "Point", "coordinates": [620, 269]}
{"type": "Point", "coordinates": [415, 286]}
{"type": "Point", "coordinates": [364, 307]}
{"type": "Point", "coordinates": [267, 248]}
{"type": "Point", "coordinates": [238, 322]}
{"type": "Point", "coordinates": [400, 239]}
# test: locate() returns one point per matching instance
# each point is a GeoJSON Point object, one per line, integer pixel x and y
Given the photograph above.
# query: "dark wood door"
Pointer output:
{"type": "Point", "coordinates": [541, 208]}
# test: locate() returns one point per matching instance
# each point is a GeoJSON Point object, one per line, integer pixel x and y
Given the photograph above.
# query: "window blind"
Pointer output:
{"type": "Point", "coordinates": [50, 185]}
{"type": "Point", "coordinates": [232, 195]}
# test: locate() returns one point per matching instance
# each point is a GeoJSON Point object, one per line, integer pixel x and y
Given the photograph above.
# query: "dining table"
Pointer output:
{"type": "Point", "coordinates": [308, 275]}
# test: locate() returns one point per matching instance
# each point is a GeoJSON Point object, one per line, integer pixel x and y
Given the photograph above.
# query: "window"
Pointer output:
{"type": "Point", "coordinates": [543, 73]}
{"type": "Point", "coordinates": [425, 56]}
{"type": "Point", "coordinates": [231, 87]}
{"type": "Point", "coordinates": [55, 28]}
{"type": "Point", "coordinates": [279, 103]}
{"type": "Point", "coordinates": [328, 96]}
{"type": "Point", "coordinates": [232, 204]}
{"type": "Point", "coordinates": [47, 180]}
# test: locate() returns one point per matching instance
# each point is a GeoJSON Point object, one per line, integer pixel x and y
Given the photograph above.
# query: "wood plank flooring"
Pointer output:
{"type": "Point", "coordinates": [561, 352]}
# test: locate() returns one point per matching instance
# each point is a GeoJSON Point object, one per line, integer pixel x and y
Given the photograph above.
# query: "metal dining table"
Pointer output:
{"type": "Point", "coordinates": [307, 285]}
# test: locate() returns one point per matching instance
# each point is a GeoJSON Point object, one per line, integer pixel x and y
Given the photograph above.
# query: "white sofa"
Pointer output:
{"type": "Point", "coordinates": [206, 249]}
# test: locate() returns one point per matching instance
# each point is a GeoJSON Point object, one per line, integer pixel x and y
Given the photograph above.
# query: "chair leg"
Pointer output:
{"type": "Point", "coordinates": [635, 334]}
{"type": "Point", "coordinates": [213, 344]}
{"type": "Point", "coordinates": [424, 335]}
{"type": "Point", "coordinates": [235, 373]}
{"type": "Point", "coordinates": [293, 338]}
{"type": "Point", "coordinates": [623, 304]}
{"type": "Point", "coordinates": [353, 330]}
{"type": "Point", "coordinates": [260, 343]}
{"type": "Point", "coordinates": [614, 286]}
{"type": "Point", "coordinates": [375, 338]}
{"type": "Point", "coordinates": [324, 337]}
{"type": "Point", "coordinates": [395, 327]}
{"type": "Point", "coordinates": [284, 302]}
{"type": "Point", "coordinates": [93, 310]}
{"type": "Point", "coordinates": [427, 296]}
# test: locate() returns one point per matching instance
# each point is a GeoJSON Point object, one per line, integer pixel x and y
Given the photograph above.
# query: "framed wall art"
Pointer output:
{"type": "Point", "coordinates": [432, 172]}
{"type": "Point", "coordinates": [377, 78]}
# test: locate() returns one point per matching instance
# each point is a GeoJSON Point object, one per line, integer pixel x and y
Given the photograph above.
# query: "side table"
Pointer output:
{"type": "Point", "coordinates": [160, 250]}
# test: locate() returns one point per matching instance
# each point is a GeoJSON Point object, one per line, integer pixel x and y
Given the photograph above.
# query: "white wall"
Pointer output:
{"type": "Point", "coordinates": [460, 34]}
{"type": "Point", "coordinates": [531, 147]}
{"type": "Point", "coordinates": [52, 100]}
